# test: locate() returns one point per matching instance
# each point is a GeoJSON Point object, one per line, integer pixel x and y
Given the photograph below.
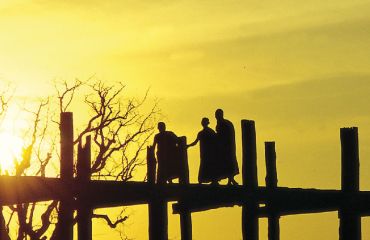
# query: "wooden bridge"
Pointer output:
{"type": "Point", "coordinates": [83, 194]}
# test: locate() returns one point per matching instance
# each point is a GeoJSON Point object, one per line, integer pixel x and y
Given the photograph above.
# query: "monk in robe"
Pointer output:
{"type": "Point", "coordinates": [227, 148]}
{"type": "Point", "coordinates": [166, 143]}
{"type": "Point", "coordinates": [208, 156]}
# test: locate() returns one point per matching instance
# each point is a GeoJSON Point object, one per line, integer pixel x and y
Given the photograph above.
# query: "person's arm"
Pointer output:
{"type": "Point", "coordinates": [193, 143]}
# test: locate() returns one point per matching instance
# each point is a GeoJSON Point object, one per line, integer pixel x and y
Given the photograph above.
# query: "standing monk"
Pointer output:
{"type": "Point", "coordinates": [167, 154]}
{"type": "Point", "coordinates": [227, 148]}
{"type": "Point", "coordinates": [208, 156]}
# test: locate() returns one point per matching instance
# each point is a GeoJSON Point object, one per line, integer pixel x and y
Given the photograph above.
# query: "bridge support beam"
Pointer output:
{"type": "Point", "coordinates": [350, 220]}
{"type": "Point", "coordinates": [250, 182]}
{"type": "Point", "coordinates": [271, 184]}
{"type": "Point", "coordinates": [84, 210]}
{"type": "Point", "coordinates": [157, 206]}
{"type": "Point", "coordinates": [158, 218]}
{"type": "Point", "coordinates": [65, 223]}
{"type": "Point", "coordinates": [185, 216]}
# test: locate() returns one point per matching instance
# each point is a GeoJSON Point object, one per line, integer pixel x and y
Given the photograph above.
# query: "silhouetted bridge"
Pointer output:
{"type": "Point", "coordinates": [287, 201]}
{"type": "Point", "coordinates": [82, 194]}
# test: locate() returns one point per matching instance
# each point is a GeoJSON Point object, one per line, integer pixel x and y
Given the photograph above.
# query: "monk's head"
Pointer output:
{"type": "Point", "coordinates": [161, 126]}
{"type": "Point", "coordinates": [219, 114]}
{"type": "Point", "coordinates": [205, 122]}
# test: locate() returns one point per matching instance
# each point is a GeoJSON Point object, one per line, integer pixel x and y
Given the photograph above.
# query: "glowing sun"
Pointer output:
{"type": "Point", "coordinates": [10, 150]}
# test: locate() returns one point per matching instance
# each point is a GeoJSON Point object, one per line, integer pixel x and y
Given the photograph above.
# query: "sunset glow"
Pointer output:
{"type": "Point", "coordinates": [299, 69]}
{"type": "Point", "coordinates": [13, 130]}
{"type": "Point", "coordinates": [10, 150]}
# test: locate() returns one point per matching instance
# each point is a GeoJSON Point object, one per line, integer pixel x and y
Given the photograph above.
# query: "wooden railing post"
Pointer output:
{"type": "Point", "coordinates": [150, 164]}
{"type": "Point", "coordinates": [65, 218]}
{"type": "Point", "coordinates": [84, 211]}
{"type": "Point", "coordinates": [350, 220]}
{"type": "Point", "coordinates": [250, 182]}
{"type": "Point", "coordinates": [185, 215]}
{"type": "Point", "coordinates": [271, 185]}
{"type": "Point", "coordinates": [157, 206]}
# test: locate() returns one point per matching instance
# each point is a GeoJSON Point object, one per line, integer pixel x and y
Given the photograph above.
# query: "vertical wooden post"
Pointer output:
{"type": "Point", "coordinates": [350, 221]}
{"type": "Point", "coordinates": [66, 146]}
{"type": "Point", "coordinates": [350, 160]}
{"type": "Point", "coordinates": [271, 185]}
{"type": "Point", "coordinates": [84, 211]}
{"type": "Point", "coordinates": [65, 219]}
{"type": "Point", "coordinates": [250, 182]}
{"type": "Point", "coordinates": [249, 168]}
{"type": "Point", "coordinates": [157, 206]}
{"type": "Point", "coordinates": [158, 219]}
{"type": "Point", "coordinates": [271, 173]}
{"type": "Point", "coordinates": [150, 164]}
{"type": "Point", "coordinates": [185, 215]}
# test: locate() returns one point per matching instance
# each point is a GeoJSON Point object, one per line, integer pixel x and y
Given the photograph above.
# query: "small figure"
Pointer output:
{"type": "Point", "coordinates": [227, 148]}
{"type": "Point", "coordinates": [208, 156]}
{"type": "Point", "coordinates": [167, 154]}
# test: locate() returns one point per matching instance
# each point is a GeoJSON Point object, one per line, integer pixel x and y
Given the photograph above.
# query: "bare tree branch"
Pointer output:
{"type": "Point", "coordinates": [112, 224]}
{"type": "Point", "coordinates": [66, 95]}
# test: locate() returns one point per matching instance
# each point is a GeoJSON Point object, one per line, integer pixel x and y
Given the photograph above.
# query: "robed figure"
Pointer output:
{"type": "Point", "coordinates": [167, 154]}
{"type": "Point", "coordinates": [227, 148]}
{"type": "Point", "coordinates": [208, 168]}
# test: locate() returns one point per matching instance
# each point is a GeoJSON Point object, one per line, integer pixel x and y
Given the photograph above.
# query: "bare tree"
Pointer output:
{"type": "Point", "coordinates": [120, 127]}
{"type": "Point", "coordinates": [28, 226]}
{"type": "Point", "coordinates": [5, 97]}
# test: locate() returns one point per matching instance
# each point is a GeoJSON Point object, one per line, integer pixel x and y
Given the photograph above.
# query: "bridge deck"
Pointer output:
{"type": "Point", "coordinates": [194, 197]}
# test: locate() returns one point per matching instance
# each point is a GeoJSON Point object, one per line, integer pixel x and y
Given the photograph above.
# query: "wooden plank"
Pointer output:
{"type": "Point", "coordinates": [33, 189]}
{"type": "Point", "coordinates": [288, 201]}
{"type": "Point", "coordinates": [195, 197]}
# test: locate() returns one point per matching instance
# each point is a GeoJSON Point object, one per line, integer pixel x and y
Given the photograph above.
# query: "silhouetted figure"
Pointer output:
{"type": "Point", "coordinates": [167, 154]}
{"type": "Point", "coordinates": [208, 155]}
{"type": "Point", "coordinates": [227, 149]}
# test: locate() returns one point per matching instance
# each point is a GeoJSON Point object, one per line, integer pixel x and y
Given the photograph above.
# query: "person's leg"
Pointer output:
{"type": "Point", "coordinates": [231, 181]}
{"type": "Point", "coordinates": [214, 182]}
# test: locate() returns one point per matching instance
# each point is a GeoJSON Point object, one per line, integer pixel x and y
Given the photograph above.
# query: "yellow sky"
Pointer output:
{"type": "Point", "coordinates": [299, 68]}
